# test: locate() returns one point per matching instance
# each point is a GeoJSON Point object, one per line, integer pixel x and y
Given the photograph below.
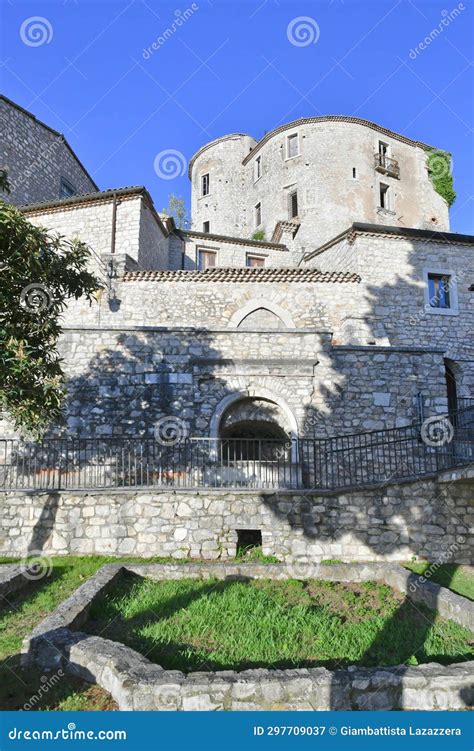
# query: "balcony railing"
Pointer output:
{"type": "Point", "coordinates": [305, 463]}
{"type": "Point", "coordinates": [386, 165]}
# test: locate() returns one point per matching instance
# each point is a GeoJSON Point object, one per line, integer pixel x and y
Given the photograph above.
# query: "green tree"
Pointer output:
{"type": "Point", "coordinates": [177, 209]}
{"type": "Point", "coordinates": [38, 273]}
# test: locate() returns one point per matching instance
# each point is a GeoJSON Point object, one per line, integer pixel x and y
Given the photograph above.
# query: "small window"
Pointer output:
{"type": "Point", "coordinates": [206, 259]}
{"type": "Point", "coordinates": [293, 205]}
{"type": "Point", "coordinates": [438, 290]}
{"type": "Point", "coordinates": [205, 185]}
{"type": "Point", "coordinates": [258, 214]}
{"type": "Point", "coordinates": [354, 172]}
{"type": "Point", "coordinates": [257, 168]}
{"type": "Point", "coordinates": [292, 147]}
{"type": "Point", "coordinates": [253, 262]}
{"type": "Point", "coordinates": [206, 227]}
{"type": "Point", "coordinates": [66, 189]}
{"type": "Point", "coordinates": [383, 153]}
{"type": "Point", "coordinates": [384, 197]}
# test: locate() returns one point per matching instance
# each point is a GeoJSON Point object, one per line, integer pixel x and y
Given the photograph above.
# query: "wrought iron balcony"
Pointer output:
{"type": "Point", "coordinates": [386, 165]}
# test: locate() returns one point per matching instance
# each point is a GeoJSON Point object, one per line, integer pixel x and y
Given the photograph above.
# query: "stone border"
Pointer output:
{"type": "Point", "coordinates": [15, 576]}
{"type": "Point", "coordinates": [137, 684]}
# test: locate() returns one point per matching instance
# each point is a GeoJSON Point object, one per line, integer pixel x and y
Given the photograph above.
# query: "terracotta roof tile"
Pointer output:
{"type": "Point", "coordinates": [243, 275]}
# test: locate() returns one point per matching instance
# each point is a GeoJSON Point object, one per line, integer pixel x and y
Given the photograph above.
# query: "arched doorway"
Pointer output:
{"type": "Point", "coordinates": [257, 440]}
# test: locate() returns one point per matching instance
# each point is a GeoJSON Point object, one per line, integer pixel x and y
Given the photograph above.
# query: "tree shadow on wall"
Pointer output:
{"type": "Point", "coordinates": [141, 379]}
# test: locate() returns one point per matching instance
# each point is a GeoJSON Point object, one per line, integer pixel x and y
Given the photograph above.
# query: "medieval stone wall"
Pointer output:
{"type": "Point", "coordinates": [393, 302]}
{"type": "Point", "coordinates": [225, 206]}
{"type": "Point", "coordinates": [330, 197]}
{"type": "Point", "coordinates": [36, 159]}
{"type": "Point", "coordinates": [424, 518]}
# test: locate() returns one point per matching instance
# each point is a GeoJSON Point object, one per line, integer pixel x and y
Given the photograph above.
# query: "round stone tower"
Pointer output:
{"type": "Point", "coordinates": [305, 182]}
{"type": "Point", "coordinates": [218, 176]}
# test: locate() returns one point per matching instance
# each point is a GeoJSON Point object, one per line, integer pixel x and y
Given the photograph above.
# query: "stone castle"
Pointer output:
{"type": "Point", "coordinates": [317, 295]}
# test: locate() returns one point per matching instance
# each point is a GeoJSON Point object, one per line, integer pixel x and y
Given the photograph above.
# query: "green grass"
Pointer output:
{"type": "Point", "coordinates": [457, 578]}
{"type": "Point", "coordinates": [189, 625]}
{"type": "Point", "coordinates": [21, 611]}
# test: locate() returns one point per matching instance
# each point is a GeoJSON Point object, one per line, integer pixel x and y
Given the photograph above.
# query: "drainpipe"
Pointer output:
{"type": "Point", "coordinates": [114, 222]}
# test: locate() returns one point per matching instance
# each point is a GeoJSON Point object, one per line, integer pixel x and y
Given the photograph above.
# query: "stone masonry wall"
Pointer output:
{"type": "Point", "coordinates": [137, 233]}
{"type": "Point", "coordinates": [122, 382]}
{"type": "Point", "coordinates": [329, 197]}
{"type": "Point", "coordinates": [426, 519]}
{"type": "Point", "coordinates": [36, 158]}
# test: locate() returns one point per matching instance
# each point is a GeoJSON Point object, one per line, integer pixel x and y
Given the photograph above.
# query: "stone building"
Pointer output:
{"type": "Point", "coordinates": [40, 164]}
{"type": "Point", "coordinates": [352, 315]}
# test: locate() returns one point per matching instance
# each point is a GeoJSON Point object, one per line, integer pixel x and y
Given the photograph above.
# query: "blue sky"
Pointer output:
{"type": "Point", "coordinates": [234, 67]}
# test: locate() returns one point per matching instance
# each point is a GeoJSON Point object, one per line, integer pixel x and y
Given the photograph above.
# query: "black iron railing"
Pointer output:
{"type": "Point", "coordinates": [304, 463]}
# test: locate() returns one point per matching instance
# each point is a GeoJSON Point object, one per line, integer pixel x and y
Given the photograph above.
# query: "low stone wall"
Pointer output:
{"type": "Point", "coordinates": [137, 684]}
{"type": "Point", "coordinates": [424, 518]}
{"type": "Point", "coordinates": [15, 576]}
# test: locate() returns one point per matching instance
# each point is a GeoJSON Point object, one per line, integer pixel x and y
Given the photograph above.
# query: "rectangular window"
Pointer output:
{"type": "Point", "coordinates": [255, 261]}
{"type": "Point", "coordinates": [206, 259]}
{"type": "Point", "coordinates": [293, 205]}
{"type": "Point", "coordinates": [383, 153]}
{"type": "Point", "coordinates": [438, 290]}
{"type": "Point", "coordinates": [292, 147]}
{"type": "Point", "coordinates": [384, 196]}
{"type": "Point", "coordinates": [258, 168]}
{"type": "Point", "coordinates": [205, 185]}
{"type": "Point", "coordinates": [258, 214]}
{"type": "Point", "coordinates": [66, 189]}
{"type": "Point", "coordinates": [206, 227]}
{"type": "Point", "coordinates": [354, 173]}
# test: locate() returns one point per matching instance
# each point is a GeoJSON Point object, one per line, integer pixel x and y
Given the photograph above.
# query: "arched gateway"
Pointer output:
{"type": "Point", "coordinates": [255, 434]}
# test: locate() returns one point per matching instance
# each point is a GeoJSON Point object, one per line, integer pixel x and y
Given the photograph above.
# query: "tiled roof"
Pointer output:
{"type": "Point", "coordinates": [242, 275]}
{"type": "Point", "coordinates": [101, 195]}
{"type": "Point", "coordinates": [389, 232]}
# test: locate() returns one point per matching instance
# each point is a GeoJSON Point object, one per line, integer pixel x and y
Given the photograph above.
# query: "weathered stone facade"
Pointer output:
{"type": "Point", "coordinates": [333, 173]}
{"type": "Point", "coordinates": [424, 518]}
{"type": "Point", "coordinates": [39, 162]}
{"type": "Point", "coordinates": [335, 335]}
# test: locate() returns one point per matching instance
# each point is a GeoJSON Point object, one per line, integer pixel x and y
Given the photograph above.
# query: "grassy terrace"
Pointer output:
{"type": "Point", "coordinates": [202, 624]}
{"type": "Point", "coordinates": [215, 625]}
{"type": "Point", "coordinates": [459, 579]}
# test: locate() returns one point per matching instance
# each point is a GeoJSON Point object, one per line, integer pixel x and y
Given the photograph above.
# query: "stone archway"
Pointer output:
{"type": "Point", "coordinates": [259, 399]}
{"type": "Point", "coordinates": [261, 313]}
{"type": "Point", "coordinates": [256, 424]}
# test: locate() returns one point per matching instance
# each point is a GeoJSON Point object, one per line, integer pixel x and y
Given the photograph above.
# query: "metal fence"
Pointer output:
{"type": "Point", "coordinates": [304, 463]}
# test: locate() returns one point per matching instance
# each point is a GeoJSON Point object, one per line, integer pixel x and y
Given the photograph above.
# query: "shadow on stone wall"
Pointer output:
{"type": "Point", "coordinates": [125, 391]}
